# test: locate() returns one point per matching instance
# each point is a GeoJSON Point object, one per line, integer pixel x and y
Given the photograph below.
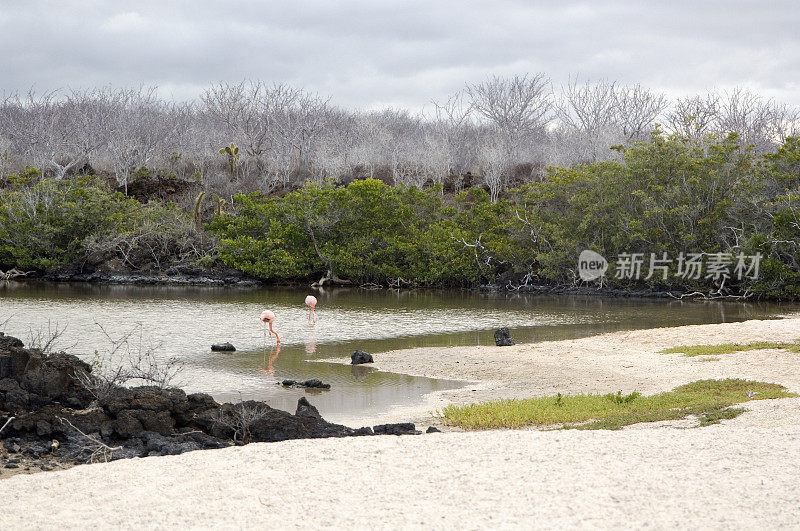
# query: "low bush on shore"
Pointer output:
{"type": "Point", "coordinates": [709, 400]}
{"type": "Point", "coordinates": [46, 223]}
{"type": "Point", "coordinates": [729, 348]}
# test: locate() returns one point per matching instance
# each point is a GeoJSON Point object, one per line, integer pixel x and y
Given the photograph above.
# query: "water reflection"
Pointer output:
{"type": "Point", "coordinates": [187, 320]}
{"type": "Point", "coordinates": [268, 362]}
{"type": "Point", "coordinates": [359, 372]}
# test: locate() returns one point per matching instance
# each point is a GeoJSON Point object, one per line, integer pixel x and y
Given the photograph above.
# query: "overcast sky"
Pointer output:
{"type": "Point", "coordinates": [376, 53]}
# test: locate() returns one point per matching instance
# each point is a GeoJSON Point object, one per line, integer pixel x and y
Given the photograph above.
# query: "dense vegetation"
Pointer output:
{"type": "Point", "coordinates": [46, 223]}
{"type": "Point", "coordinates": [668, 194]}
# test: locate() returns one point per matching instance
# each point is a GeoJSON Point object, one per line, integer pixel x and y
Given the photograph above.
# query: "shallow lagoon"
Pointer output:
{"type": "Point", "coordinates": [184, 321]}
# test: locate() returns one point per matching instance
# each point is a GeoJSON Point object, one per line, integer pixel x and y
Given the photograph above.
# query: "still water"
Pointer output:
{"type": "Point", "coordinates": [183, 322]}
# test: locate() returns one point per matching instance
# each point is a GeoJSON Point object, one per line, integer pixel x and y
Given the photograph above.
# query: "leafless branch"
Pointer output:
{"type": "Point", "coordinates": [240, 418]}
{"type": "Point", "coordinates": [8, 421]}
{"type": "Point", "coordinates": [45, 340]}
{"type": "Point", "coordinates": [97, 447]}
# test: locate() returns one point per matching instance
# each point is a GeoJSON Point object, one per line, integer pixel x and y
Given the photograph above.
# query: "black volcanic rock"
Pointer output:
{"type": "Point", "coordinates": [223, 347]}
{"type": "Point", "coordinates": [359, 356]}
{"type": "Point", "coordinates": [313, 383]}
{"type": "Point", "coordinates": [502, 337]}
{"type": "Point", "coordinates": [305, 409]}
{"type": "Point", "coordinates": [401, 428]}
{"type": "Point", "coordinates": [57, 419]}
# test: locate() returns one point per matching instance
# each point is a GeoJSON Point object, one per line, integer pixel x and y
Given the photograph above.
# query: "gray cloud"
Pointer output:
{"type": "Point", "coordinates": [371, 54]}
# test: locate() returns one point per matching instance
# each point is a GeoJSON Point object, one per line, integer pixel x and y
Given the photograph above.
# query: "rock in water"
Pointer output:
{"type": "Point", "coordinates": [223, 347]}
{"type": "Point", "coordinates": [315, 383]}
{"type": "Point", "coordinates": [502, 337]}
{"type": "Point", "coordinates": [359, 356]}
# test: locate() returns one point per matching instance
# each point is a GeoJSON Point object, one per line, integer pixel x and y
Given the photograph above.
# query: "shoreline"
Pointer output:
{"type": "Point", "coordinates": [624, 361]}
{"type": "Point", "coordinates": [235, 278]}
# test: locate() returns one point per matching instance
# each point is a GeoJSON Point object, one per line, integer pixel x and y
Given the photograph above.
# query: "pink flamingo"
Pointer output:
{"type": "Point", "coordinates": [268, 317]}
{"type": "Point", "coordinates": [311, 301]}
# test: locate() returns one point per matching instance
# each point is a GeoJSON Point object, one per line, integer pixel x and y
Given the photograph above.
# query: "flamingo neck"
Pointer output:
{"type": "Point", "coordinates": [271, 331]}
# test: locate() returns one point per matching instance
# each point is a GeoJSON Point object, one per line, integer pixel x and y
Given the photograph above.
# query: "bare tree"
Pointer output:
{"type": "Point", "coordinates": [758, 122]}
{"type": "Point", "coordinates": [127, 359]}
{"type": "Point", "coordinates": [65, 133]}
{"type": "Point", "coordinates": [142, 127]}
{"type": "Point", "coordinates": [588, 108]}
{"type": "Point", "coordinates": [302, 123]}
{"type": "Point", "coordinates": [242, 110]}
{"type": "Point", "coordinates": [453, 123]}
{"type": "Point", "coordinates": [241, 417]}
{"type": "Point", "coordinates": [286, 134]}
{"type": "Point", "coordinates": [637, 109]}
{"type": "Point", "coordinates": [46, 340]}
{"type": "Point", "coordinates": [96, 448]}
{"type": "Point", "coordinates": [5, 153]}
{"type": "Point", "coordinates": [335, 155]}
{"type": "Point", "coordinates": [493, 163]}
{"type": "Point", "coordinates": [589, 114]}
{"type": "Point", "coordinates": [519, 107]}
{"type": "Point", "coordinates": [694, 117]}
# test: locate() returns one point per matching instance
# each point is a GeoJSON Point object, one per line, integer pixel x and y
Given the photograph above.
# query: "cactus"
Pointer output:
{"type": "Point", "coordinates": [232, 153]}
{"type": "Point", "coordinates": [198, 204]}
{"type": "Point", "coordinates": [220, 204]}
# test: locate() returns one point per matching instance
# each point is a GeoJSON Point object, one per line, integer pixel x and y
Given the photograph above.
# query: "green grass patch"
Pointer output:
{"type": "Point", "coordinates": [707, 399]}
{"type": "Point", "coordinates": [728, 348]}
{"type": "Point", "coordinates": [713, 417]}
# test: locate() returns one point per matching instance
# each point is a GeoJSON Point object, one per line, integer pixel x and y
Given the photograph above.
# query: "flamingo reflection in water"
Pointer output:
{"type": "Point", "coordinates": [268, 361]}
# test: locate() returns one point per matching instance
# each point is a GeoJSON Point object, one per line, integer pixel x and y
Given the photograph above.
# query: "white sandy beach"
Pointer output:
{"type": "Point", "coordinates": [626, 361]}
{"type": "Point", "coordinates": [742, 473]}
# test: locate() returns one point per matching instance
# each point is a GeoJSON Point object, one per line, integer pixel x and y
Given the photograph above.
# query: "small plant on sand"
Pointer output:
{"type": "Point", "coordinates": [713, 417]}
{"type": "Point", "coordinates": [619, 398]}
{"type": "Point", "coordinates": [729, 348]}
{"type": "Point", "coordinates": [709, 400]}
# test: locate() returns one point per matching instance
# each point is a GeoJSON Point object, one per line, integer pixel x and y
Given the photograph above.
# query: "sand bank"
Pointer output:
{"type": "Point", "coordinates": [729, 476]}
{"type": "Point", "coordinates": [739, 474]}
{"type": "Point", "coordinates": [626, 361]}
